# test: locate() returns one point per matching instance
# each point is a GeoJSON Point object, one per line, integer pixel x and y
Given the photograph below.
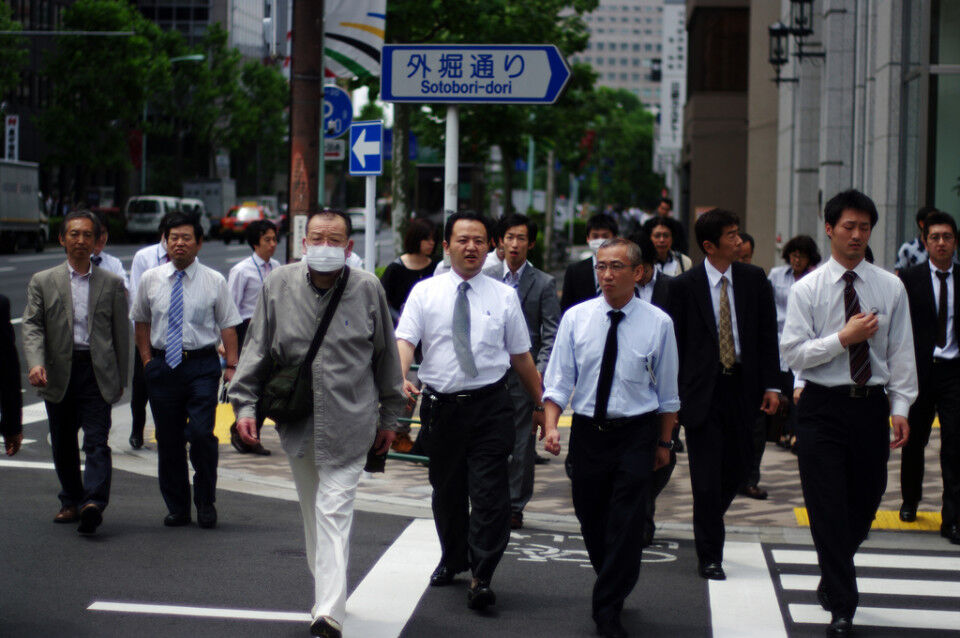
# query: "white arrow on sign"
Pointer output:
{"type": "Point", "coordinates": [362, 148]}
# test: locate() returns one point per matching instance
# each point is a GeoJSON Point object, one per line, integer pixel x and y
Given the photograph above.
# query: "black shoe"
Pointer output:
{"type": "Point", "coordinates": [326, 627]}
{"type": "Point", "coordinates": [90, 518]}
{"type": "Point", "coordinates": [754, 492]}
{"type": "Point", "coordinates": [646, 538]}
{"type": "Point", "coordinates": [442, 576]}
{"type": "Point", "coordinates": [611, 628]}
{"type": "Point", "coordinates": [951, 533]}
{"type": "Point", "coordinates": [711, 571]}
{"type": "Point", "coordinates": [236, 441]}
{"type": "Point", "coordinates": [908, 512]}
{"type": "Point", "coordinates": [207, 516]}
{"type": "Point", "coordinates": [176, 520]}
{"type": "Point", "coordinates": [259, 449]}
{"type": "Point", "coordinates": [541, 460]}
{"type": "Point", "coordinates": [840, 626]}
{"type": "Point", "coordinates": [136, 441]}
{"type": "Point", "coordinates": [480, 596]}
{"type": "Point", "coordinates": [822, 597]}
{"type": "Point", "coordinates": [516, 520]}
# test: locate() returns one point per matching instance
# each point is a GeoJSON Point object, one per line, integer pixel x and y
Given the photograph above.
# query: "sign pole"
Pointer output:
{"type": "Point", "coordinates": [370, 230]}
{"type": "Point", "coordinates": [531, 158]}
{"type": "Point", "coordinates": [451, 161]}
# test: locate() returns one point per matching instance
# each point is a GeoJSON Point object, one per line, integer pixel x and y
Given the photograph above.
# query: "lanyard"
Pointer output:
{"type": "Point", "coordinates": [257, 266]}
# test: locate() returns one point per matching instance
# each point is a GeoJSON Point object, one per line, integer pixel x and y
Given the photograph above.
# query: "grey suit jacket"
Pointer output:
{"type": "Point", "coordinates": [541, 308]}
{"type": "Point", "coordinates": [48, 331]}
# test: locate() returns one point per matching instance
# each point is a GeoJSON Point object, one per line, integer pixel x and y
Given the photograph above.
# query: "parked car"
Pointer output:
{"type": "Point", "coordinates": [358, 219]}
{"type": "Point", "coordinates": [196, 207]}
{"type": "Point", "coordinates": [234, 223]}
{"type": "Point", "coordinates": [144, 213]}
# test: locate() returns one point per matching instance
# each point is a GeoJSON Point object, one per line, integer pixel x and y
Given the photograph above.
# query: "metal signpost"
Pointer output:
{"type": "Point", "coordinates": [366, 158]}
{"type": "Point", "coordinates": [477, 73]}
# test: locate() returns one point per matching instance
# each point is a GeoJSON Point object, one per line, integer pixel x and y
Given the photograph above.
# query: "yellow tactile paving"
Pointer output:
{"type": "Point", "coordinates": [887, 519]}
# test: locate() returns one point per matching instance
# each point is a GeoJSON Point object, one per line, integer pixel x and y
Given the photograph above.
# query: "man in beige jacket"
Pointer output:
{"type": "Point", "coordinates": [76, 342]}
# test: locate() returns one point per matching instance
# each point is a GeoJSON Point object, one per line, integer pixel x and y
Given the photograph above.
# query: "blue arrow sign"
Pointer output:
{"type": "Point", "coordinates": [337, 111]}
{"type": "Point", "coordinates": [366, 148]}
{"type": "Point", "coordinates": [504, 74]}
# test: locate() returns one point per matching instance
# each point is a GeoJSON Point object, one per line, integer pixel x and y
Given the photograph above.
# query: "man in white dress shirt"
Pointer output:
{"type": "Point", "coordinates": [245, 282]}
{"type": "Point", "coordinates": [182, 310]}
{"type": "Point", "coordinates": [848, 330]}
{"type": "Point", "coordinates": [472, 331]}
{"type": "Point", "coordinates": [108, 262]}
{"type": "Point", "coordinates": [617, 356]}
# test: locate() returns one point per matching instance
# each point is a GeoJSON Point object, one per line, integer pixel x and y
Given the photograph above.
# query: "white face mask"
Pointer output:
{"type": "Point", "coordinates": [594, 244]}
{"type": "Point", "coordinates": [325, 258]}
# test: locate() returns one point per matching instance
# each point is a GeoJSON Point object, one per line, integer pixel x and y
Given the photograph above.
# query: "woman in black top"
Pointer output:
{"type": "Point", "coordinates": [414, 264]}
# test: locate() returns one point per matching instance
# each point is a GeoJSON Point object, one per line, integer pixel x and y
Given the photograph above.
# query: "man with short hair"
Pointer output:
{"type": "Point", "coordinates": [580, 280]}
{"type": "Point", "coordinates": [102, 259]}
{"type": "Point", "coordinates": [76, 343]}
{"type": "Point", "coordinates": [913, 252]}
{"type": "Point", "coordinates": [625, 407]}
{"type": "Point", "coordinates": [473, 331]}
{"type": "Point", "coordinates": [181, 311]}
{"type": "Point", "coordinates": [245, 282]}
{"type": "Point", "coordinates": [747, 246]}
{"type": "Point", "coordinates": [932, 290]}
{"type": "Point", "coordinates": [356, 393]}
{"type": "Point", "coordinates": [537, 291]}
{"type": "Point", "coordinates": [848, 332]}
{"type": "Point", "coordinates": [726, 326]}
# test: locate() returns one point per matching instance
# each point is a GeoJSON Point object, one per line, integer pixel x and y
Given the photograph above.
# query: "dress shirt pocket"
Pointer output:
{"type": "Point", "coordinates": [638, 368]}
{"type": "Point", "coordinates": [491, 329]}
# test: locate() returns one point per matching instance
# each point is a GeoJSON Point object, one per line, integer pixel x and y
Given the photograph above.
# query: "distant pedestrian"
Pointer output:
{"type": "Point", "coordinates": [747, 246]}
{"type": "Point", "coordinates": [11, 399]}
{"type": "Point", "coordinates": [848, 331]}
{"type": "Point", "coordinates": [181, 311]}
{"type": "Point", "coordinates": [580, 279]}
{"type": "Point", "coordinates": [102, 259]}
{"type": "Point", "coordinates": [76, 342]}
{"type": "Point", "coordinates": [245, 282]}
{"type": "Point", "coordinates": [914, 252]}
{"type": "Point", "coordinates": [662, 231]}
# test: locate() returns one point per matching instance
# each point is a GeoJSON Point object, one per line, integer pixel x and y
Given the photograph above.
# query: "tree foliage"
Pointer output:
{"type": "Point", "coordinates": [13, 50]}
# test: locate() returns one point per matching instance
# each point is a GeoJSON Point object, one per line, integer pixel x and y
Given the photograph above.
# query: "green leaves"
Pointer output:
{"type": "Point", "coordinates": [13, 50]}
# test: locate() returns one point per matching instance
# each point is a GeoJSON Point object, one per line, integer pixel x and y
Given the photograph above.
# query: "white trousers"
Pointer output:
{"type": "Point", "coordinates": [326, 504]}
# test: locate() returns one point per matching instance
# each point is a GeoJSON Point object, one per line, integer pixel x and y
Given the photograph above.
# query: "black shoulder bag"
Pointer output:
{"type": "Point", "coordinates": [288, 394]}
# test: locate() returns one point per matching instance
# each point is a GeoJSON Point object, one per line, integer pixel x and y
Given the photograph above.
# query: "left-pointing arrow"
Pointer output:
{"type": "Point", "coordinates": [362, 148]}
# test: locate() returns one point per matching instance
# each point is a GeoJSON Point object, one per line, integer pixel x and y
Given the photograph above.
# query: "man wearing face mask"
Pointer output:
{"type": "Point", "coordinates": [356, 392]}
{"type": "Point", "coordinates": [580, 279]}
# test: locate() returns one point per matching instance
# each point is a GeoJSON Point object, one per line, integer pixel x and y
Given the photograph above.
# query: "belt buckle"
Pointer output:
{"type": "Point", "coordinates": [602, 426]}
{"type": "Point", "coordinates": [727, 372]}
{"type": "Point", "coordinates": [858, 392]}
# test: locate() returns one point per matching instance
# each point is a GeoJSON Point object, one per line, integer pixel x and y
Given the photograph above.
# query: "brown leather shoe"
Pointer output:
{"type": "Point", "coordinates": [67, 514]}
{"type": "Point", "coordinates": [90, 518]}
{"type": "Point", "coordinates": [754, 492]}
{"type": "Point", "coordinates": [402, 444]}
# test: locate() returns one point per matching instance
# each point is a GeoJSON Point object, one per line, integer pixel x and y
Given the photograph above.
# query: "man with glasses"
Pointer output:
{"type": "Point", "coordinates": [617, 357]}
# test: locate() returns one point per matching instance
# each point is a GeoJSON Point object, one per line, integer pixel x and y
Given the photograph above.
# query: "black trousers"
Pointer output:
{"type": "Point", "coordinates": [184, 404]}
{"type": "Point", "coordinates": [656, 484]}
{"type": "Point", "coordinates": [469, 444]}
{"type": "Point", "coordinates": [82, 408]}
{"type": "Point", "coordinates": [610, 472]}
{"type": "Point", "coordinates": [138, 397]}
{"type": "Point", "coordinates": [940, 395]}
{"type": "Point", "coordinates": [720, 456]}
{"type": "Point", "coordinates": [843, 447]}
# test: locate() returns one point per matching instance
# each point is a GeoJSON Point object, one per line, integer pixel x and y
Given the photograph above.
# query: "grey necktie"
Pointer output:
{"type": "Point", "coordinates": [461, 331]}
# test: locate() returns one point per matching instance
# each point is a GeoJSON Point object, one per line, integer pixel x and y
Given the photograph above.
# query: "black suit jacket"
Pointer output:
{"type": "Point", "coordinates": [661, 292]}
{"type": "Point", "coordinates": [692, 311]}
{"type": "Point", "coordinates": [11, 399]}
{"type": "Point", "coordinates": [578, 284]}
{"type": "Point", "coordinates": [923, 315]}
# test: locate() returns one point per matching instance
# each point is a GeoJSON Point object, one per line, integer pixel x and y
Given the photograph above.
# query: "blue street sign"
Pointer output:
{"type": "Point", "coordinates": [337, 111]}
{"type": "Point", "coordinates": [505, 74]}
{"type": "Point", "coordinates": [366, 148]}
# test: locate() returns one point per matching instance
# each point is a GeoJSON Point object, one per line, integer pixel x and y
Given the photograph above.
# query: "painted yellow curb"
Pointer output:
{"type": "Point", "coordinates": [887, 519]}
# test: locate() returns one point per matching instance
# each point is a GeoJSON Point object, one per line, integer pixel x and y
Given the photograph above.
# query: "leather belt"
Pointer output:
{"type": "Point", "coordinates": [467, 395]}
{"type": "Point", "coordinates": [946, 362]}
{"type": "Point", "coordinates": [850, 391]}
{"type": "Point", "coordinates": [608, 425]}
{"type": "Point", "coordinates": [206, 351]}
{"type": "Point", "coordinates": [732, 370]}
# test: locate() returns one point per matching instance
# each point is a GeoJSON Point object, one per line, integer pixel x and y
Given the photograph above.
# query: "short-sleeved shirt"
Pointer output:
{"type": "Point", "coordinates": [207, 306]}
{"type": "Point", "coordinates": [497, 330]}
{"type": "Point", "coordinates": [245, 281]}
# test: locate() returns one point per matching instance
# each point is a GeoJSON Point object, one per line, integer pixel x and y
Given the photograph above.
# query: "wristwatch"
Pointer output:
{"type": "Point", "coordinates": [538, 408]}
{"type": "Point", "coordinates": [669, 445]}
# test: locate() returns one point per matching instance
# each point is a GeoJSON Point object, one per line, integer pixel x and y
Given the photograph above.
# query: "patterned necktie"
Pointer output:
{"type": "Point", "coordinates": [942, 310]}
{"type": "Point", "coordinates": [607, 364]}
{"type": "Point", "coordinates": [859, 352]}
{"type": "Point", "coordinates": [461, 331]}
{"type": "Point", "coordinates": [174, 347]}
{"type": "Point", "coordinates": [728, 353]}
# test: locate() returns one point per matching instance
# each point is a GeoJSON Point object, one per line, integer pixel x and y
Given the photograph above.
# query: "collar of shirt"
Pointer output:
{"type": "Point", "coordinates": [668, 259]}
{"type": "Point", "coordinates": [935, 270]}
{"type": "Point", "coordinates": [259, 262]}
{"type": "Point", "coordinates": [653, 280]}
{"type": "Point", "coordinates": [714, 275]}
{"type": "Point", "coordinates": [628, 309]}
{"type": "Point", "coordinates": [506, 270]}
{"type": "Point", "coordinates": [76, 275]}
{"type": "Point", "coordinates": [191, 271]}
{"type": "Point", "coordinates": [835, 270]}
{"type": "Point", "coordinates": [162, 256]}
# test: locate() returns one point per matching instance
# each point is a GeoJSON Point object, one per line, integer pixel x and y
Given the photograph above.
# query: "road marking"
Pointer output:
{"type": "Point", "coordinates": [745, 604]}
{"type": "Point", "coordinates": [894, 561]}
{"type": "Point", "coordinates": [886, 586]}
{"type": "Point", "coordinates": [31, 465]}
{"type": "Point", "coordinates": [33, 413]}
{"type": "Point", "coordinates": [883, 617]}
{"type": "Point", "coordinates": [17, 260]}
{"type": "Point", "coordinates": [383, 602]}
{"type": "Point", "coordinates": [16, 320]}
{"type": "Point", "coordinates": [6, 268]}
{"type": "Point", "coordinates": [201, 612]}
{"type": "Point", "coordinates": [886, 519]}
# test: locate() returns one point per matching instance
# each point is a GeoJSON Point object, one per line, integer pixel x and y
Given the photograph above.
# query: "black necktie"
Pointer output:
{"type": "Point", "coordinates": [942, 310]}
{"type": "Point", "coordinates": [859, 352]}
{"type": "Point", "coordinates": [96, 259]}
{"type": "Point", "coordinates": [607, 365]}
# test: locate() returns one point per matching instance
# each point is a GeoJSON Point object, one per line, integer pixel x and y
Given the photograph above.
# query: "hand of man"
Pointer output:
{"type": "Point", "coordinates": [247, 429]}
{"type": "Point", "coordinates": [858, 329]}
{"type": "Point", "coordinates": [662, 458]}
{"type": "Point", "coordinates": [37, 377]}
{"type": "Point", "coordinates": [383, 441]}
{"type": "Point", "coordinates": [539, 422]}
{"type": "Point", "coordinates": [12, 443]}
{"type": "Point", "coordinates": [551, 440]}
{"type": "Point", "coordinates": [901, 431]}
{"type": "Point", "coordinates": [771, 401]}
{"type": "Point", "coordinates": [796, 395]}
{"type": "Point", "coordinates": [411, 392]}
{"type": "Point", "coordinates": [228, 374]}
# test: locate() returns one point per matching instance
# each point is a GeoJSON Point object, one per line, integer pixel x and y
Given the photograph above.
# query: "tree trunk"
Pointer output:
{"type": "Point", "coordinates": [400, 194]}
{"type": "Point", "coordinates": [549, 207]}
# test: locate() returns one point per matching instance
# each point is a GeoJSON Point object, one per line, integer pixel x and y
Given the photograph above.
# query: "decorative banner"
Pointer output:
{"type": "Point", "coordinates": [353, 37]}
{"type": "Point", "coordinates": [11, 138]}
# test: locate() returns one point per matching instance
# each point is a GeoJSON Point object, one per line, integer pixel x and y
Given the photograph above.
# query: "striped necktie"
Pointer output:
{"type": "Point", "coordinates": [859, 352]}
{"type": "Point", "coordinates": [174, 347]}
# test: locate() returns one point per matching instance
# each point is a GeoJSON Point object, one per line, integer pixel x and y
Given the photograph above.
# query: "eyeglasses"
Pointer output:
{"type": "Point", "coordinates": [934, 238]}
{"type": "Point", "coordinates": [613, 266]}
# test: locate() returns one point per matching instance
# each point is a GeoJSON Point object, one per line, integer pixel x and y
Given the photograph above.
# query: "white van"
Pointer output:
{"type": "Point", "coordinates": [144, 212]}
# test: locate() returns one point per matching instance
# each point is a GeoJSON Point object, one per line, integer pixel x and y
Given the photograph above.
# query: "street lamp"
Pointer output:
{"type": "Point", "coordinates": [193, 57]}
{"type": "Point", "coordinates": [779, 41]}
{"type": "Point", "coordinates": [801, 17]}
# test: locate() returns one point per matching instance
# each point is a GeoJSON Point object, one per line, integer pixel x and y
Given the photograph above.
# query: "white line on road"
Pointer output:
{"type": "Point", "coordinates": [892, 586]}
{"type": "Point", "coordinates": [889, 561]}
{"type": "Point", "coordinates": [6, 268]}
{"type": "Point", "coordinates": [31, 465]}
{"type": "Point", "coordinates": [16, 320]}
{"type": "Point", "coordinates": [203, 612]}
{"type": "Point", "coordinates": [33, 413]}
{"type": "Point", "coordinates": [883, 617]}
{"type": "Point", "coordinates": [745, 604]}
{"type": "Point", "coordinates": [16, 260]}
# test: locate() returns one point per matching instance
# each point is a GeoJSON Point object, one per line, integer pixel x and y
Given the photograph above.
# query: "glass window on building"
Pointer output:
{"type": "Point", "coordinates": [944, 172]}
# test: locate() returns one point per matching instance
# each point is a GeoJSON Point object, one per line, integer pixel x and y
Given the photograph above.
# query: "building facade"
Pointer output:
{"type": "Point", "coordinates": [242, 19]}
{"type": "Point", "coordinates": [673, 95]}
